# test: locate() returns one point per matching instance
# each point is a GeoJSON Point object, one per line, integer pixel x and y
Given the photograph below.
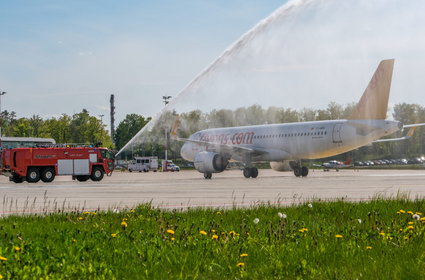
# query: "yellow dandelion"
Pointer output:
{"type": "Point", "coordinates": [401, 230]}
{"type": "Point", "coordinates": [410, 212]}
{"type": "Point", "coordinates": [232, 233]}
{"type": "Point", "coordinates": [215, 237]}
{"type": "Point", "coordinates": [124, 224]}
{"type": "Point", "coordinates": [170, 231]}
{"type": "Point", "coordinates": [17, 248]}
{"type": "Point", "coordinates": [401, 211]}
{"type": "Point", "coordinates": [86, 213]}
{"type": "Point", "coordinates": [382, 233]}
{"type": "Point", "coordinates": [422, 219]}
{"type": "Point", "coordinates": [241, 264]}
{"type": "Point", "coordinates": [3, 258]}
{"type": "Point", "coordinates": [203, 232]}
{"type": "Point", "coordinates": [172, 239]}
{"type": "Point", "coordinates": [132, 211]}
{"type": "Point", "coordinates": [398, 212]}
{"type": "Point", "coordinates": [369, 247]}
{"type": "Point", "coordinates": [213, 230]}
{"type": "Point", "coordinates": [338, 236]}
{"type": "Point", "coordinates": [80, 218]}
{"type": "Point", "coordinates": [410, 223]}
{"type": "Point", "coordinates": [410, 227]}
{"type": "Point", "coordinates": [1, 276]}
{"type": "Point", "coordinates": [303, 230]}
{"type": "Point", "coordinates": [113, 235]}
{"type": "Point", "coordinates": [73, 240]}
{"type": "Point", "coordinates": [243, 255]}
{"type": "Point", "coordinates": [218, 213]}
{"type": "Point", "coordinates": [406, 238]}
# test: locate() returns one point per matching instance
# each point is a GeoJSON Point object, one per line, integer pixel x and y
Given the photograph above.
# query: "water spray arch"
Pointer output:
{"type": "Point", "coordinates": [306, 54]}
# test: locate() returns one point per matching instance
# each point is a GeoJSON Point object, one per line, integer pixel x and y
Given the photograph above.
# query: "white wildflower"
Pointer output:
{"type": "Point", "coordinates": [416, 217]}
{"type": "Point", "coordinates": [359, 220]}
{"type": "Point", "coordinates": [282, 215]}
{"type": "Point", "coordinates": [256, 221]}
{"type": "Point", "coordinates": [310, 205]}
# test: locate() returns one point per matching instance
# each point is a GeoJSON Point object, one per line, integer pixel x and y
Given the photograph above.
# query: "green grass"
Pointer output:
{"type": "Point", "coordinates": [335, 240]}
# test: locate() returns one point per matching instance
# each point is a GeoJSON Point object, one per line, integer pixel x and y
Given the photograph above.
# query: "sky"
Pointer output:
{"type": "Point", "coordinates": [58, 57]}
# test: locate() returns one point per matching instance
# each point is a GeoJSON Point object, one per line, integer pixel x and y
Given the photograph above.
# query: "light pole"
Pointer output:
{"type": "Point", "coordinates": [166, 97]}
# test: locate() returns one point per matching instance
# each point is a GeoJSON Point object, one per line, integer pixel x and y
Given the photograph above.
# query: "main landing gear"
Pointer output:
{"type": "Point", "coordinates": [250, 172]}
{"type": "Point", "coordinates": [301, 171]}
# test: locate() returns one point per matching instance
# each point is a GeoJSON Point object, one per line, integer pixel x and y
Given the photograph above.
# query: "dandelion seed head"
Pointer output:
{"type": "Point", "coordinates": [282, 215]}
{"type": "Point", "coordinates": [416, 217]}
{"type": "Point", "coordinates": [256, 221]}
{"type": "Point", "coordinates": [359, 220]}
{"type": "Point", "coordinates": [310, 205]}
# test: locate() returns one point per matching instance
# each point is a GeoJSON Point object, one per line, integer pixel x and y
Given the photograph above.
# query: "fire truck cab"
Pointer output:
{"type": "Point", "coordinates": [35, 164]}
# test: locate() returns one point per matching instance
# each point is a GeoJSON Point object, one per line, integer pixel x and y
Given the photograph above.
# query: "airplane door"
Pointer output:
{"type": "Point", "coordinates": [336, 134]}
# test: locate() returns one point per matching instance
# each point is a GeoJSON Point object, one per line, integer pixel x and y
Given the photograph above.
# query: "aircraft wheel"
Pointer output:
{"type": "Point", "coordinates": [304, 171]}
{"type": "Point", "coordinates": [254, 172]}
{"type": "Point", "coordinates": [33, 175]}
{"type": "Point", "coordinates": [247, 172]}
{"type": "Point", "coordinates": [297, 172]}
{"type": "Point", "coordinates": [207, 175]}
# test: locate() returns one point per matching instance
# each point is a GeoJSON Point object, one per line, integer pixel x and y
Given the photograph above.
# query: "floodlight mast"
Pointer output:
{"type": "Point", "coordinates": [166, 98]}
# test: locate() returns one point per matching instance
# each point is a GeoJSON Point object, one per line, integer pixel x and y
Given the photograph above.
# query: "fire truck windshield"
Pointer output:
{"type": "Point", "coordinates": [106, 154]}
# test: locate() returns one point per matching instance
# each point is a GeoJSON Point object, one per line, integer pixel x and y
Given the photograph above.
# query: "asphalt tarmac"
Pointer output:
{"type": "Point", "coordinates": [181, 190]}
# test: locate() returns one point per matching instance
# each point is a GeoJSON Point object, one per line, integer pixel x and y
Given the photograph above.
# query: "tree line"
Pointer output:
{"type": "Point", "coordinates": [79, 128]}
{"type": "Point", "coordinates": [85, 128]}
{"type": "Point", "coordinates": [190, 122]}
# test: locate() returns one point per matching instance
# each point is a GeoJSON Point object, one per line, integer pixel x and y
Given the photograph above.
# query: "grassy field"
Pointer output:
{"type": "Point", "coordinates": [337, 240]}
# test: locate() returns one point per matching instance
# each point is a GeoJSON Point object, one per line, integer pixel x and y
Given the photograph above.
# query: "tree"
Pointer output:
{"type": "Point", "coordinates": [129, 127]}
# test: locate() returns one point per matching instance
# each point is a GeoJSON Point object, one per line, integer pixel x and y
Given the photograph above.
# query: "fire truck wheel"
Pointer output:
{"type": "Point", "coordinates": [48, 175]}
{"type": "Point", "coordinates": [97, 173]}
{"type": "Point", "coordinates": [17, 179]}
{"type": "Point", "coordinates": [82, 178]}
{"type": "Point", "coordinates": [33, 175]}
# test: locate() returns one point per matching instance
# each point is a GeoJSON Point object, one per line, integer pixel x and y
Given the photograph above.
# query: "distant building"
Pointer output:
{"type": "Point", "coordinates": [26, 142]}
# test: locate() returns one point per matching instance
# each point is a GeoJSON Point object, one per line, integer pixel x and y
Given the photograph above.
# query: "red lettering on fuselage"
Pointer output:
{"type": "Point", "coordinates": [237, 138]}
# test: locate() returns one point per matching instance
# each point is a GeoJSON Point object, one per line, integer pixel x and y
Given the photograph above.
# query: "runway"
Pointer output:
{"type": "Point", "coordinates": [184, 189]}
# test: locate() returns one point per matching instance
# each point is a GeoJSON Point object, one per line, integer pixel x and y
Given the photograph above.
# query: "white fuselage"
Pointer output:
{"type": "Point", "coordinates": [291, 141]}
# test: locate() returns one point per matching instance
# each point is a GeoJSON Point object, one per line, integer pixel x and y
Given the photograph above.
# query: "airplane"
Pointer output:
{"type": "Point", "coordinates": [334, 164]}
{"type": "Point", "coordinates": [286, 145]}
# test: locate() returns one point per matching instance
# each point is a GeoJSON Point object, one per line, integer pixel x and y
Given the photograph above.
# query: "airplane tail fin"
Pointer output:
{"type": "Point", "coordinates": [373, 104]}
{"type": "Point", "coordinates": [175, 127]}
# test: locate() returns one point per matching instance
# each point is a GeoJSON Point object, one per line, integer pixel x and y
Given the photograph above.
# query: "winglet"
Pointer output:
{"type": "Point", "coordinates": [373, 104]}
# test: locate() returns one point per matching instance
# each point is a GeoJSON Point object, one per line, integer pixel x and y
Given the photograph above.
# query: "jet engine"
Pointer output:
{"type": "Point", "coordinates": [281, 165]}
{"type": "Point", "coordinates": [209, 162]}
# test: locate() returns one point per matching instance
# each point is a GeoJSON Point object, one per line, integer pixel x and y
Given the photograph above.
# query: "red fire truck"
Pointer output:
{"type": "Point", "coordinates": [33, 164]}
